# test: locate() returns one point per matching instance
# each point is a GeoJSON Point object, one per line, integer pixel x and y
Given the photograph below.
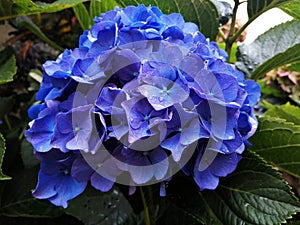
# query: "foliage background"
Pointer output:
{"type": "Point", "coordinates": [264, 188]}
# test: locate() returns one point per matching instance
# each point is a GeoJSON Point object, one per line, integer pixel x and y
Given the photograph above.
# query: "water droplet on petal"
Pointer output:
{"type": "Point", "coordinates": [161, 99]}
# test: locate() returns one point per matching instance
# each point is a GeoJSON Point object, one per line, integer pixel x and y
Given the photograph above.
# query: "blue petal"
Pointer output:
{"type": "Point", "coordinates": [101, 183]}
{"type": "Point", "coordinates": [45, 186]}
{"type": "Point", "coordinates": [81, 170]}
{"type": "Point", "coordinates": [224, 164]}
{"type": "Point", "coordinates": [66, 188]}
{"type": "Point", "coordinates": [34, 110]}
{"type": "Point", "coordinates": [253, 91]}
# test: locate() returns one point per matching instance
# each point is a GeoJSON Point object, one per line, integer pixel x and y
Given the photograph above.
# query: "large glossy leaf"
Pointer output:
{"type": "Point", "coordinates": [254, 194]}
{"type": "Point", "coordinates": [292, 8]}
{"type": "Point", "coordinates": [8, 66]}
{"type": "Point", "coordinates": [278, 142]}
{"type": "Point", "coordinates": [14, 8]}
{"type": "Point", "coordinates": [201, 12]}
{"type": "Point", "coordinates": [94, 207]}
{"type": "Point", "coordinates": [278, 46]}
{"type": "Point", "coordinates": [17, 199]}
{"type": "Point", "coordinates": [2, 151]}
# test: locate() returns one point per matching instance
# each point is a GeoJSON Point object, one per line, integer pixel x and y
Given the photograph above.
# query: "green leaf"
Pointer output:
{"type": "Point", "coordinates": [95, 8]}
{"type": "Point", "coordinates": [201, 12]}
{"type": "Point", "coordinates": [95, 207]}
{"type": "Point", "coordinates": [83, 16]}
{"type": "Point", "coordinates": [232, 57]}
{"type": "Point", "coordinates": [27, 155]}
{"type": "Point", "coordinates": [276, 47]}
{"type": "Point", "coordinates": [288, 112]}
{"type": "Point", "coordinates": [6, 105]}
{"type": "Point", "coordinates": [278, 142]}
{"type": "Point", "coordinates": [17, 200]}
{"type": "Point", "coordinates": [292, 8]}
{"type": "Point", "coordinates": [26, 22]}
{"type": "Point", "coordinates": [8, 66]}
{"type": "Point", "coordinates": [99, 6]}
{"type": "Point", "coordinates": [2, 151]}
{"type": "Point", "coordinates": [257, 7]}
{"type": "Point", "coordinates": [254, 194]}
{"type": "Point", "coordinates": [6, 8]}
{"type": "Point", "coordinates": [13, 8]}
{"type": "Point", "coordinates": [294, 67]}
{"type": "Point", "coordinates": [294, 223]}
{"type": "Point", "coordinates": [268, 89]}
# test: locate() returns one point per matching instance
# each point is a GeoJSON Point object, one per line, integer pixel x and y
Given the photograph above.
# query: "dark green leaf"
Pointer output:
{"type": "Point", "coordinates": [6, 104]}
{"type": "Point", "coordinates": [294, 223]}
{"type": "Point", "coordinates": [27, 155]}
{"type": "Point", "coordinates": [254, 194]}
{"type": "Point", "coordinates": [8, 66]}
{"type": "Point", "coordinates": [257, 7]}
{"type": "Point", "coordinates": [24, 21]}
{"type": "Point", "coordinates": [17, 199]}
{"type": "Point", "coordinates": [278, 46]}
{"type": "Point", "coordinates": [6, 8]}
{"type": "Point", "coordinates": [95, 207]}
{"type": "Point", "coordinates": [99, 6]}
{"type": "Point", "coordinates": [294, 67]}
{"type": "Point", "coordinates": [292, 8]}
{"type": "Point", "coordinates": [83, 16]}
{"type": "Point", "coordinates": [201, 12]}
{"type": "Point", "coordinates": [2, 151]}
{"type": "Point", "coordinates": [14, 8]}
{"type": "Point", "coordinates": [268, 89]}
{"type": "Point", "coordinates": [287, 112]}
{"type": "Point", "coordinates": [278, 142]}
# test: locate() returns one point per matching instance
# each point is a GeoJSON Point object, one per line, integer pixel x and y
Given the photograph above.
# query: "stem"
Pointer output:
{"type": "Point", "coordinates": [7, 122]}
{"type": "Point", "coordinates": [222, 35]}
{"type": "Point", "coordinates": [230, 40]}
{"type": "Point", "coordinates": [148, 208]}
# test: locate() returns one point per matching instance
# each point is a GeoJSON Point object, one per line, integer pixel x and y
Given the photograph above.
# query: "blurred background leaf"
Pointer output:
{"type": "Point", "coordinates": [8, 67]}
{"type": "Point", "coordinates": [13, 8]}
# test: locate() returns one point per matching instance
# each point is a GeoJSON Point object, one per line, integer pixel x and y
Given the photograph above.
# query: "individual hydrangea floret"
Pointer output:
{"type": "Point", "coordinates": [144, 95]}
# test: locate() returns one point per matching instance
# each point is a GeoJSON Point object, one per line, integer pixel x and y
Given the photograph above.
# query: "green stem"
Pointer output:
{"type": "Point", "coordinates": [148, 205]}
{"type": "Point", "coordinates": [7, 122]}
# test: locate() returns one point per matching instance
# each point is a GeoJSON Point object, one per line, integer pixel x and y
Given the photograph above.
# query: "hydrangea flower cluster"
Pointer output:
{"type": "Point", "coordinates": [143, 96]}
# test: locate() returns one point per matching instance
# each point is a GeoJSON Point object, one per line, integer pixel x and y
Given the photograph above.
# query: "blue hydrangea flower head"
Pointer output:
{"type": "Point", "coordinates": [144, 95]}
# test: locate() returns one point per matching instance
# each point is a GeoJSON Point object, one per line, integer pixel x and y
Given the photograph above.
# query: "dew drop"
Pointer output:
{"type": "Point", "coordinates": [161, 99]}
